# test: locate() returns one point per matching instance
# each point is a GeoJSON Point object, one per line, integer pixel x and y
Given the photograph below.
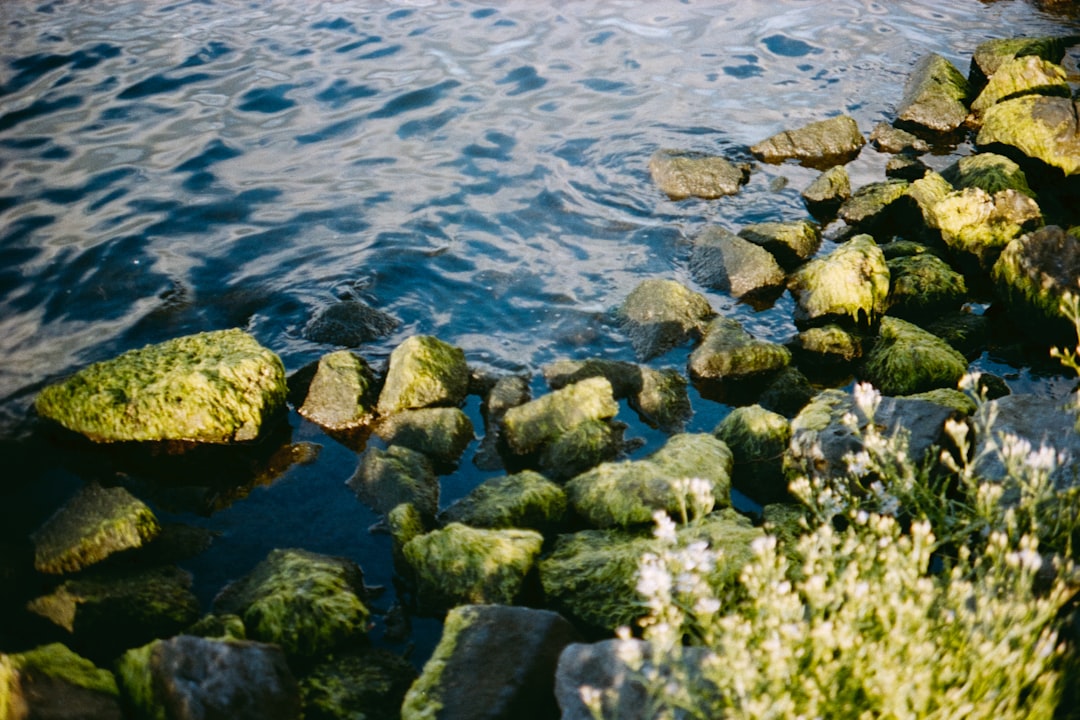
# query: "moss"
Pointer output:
{"type": "Point", "coordinates": [341, 395]}
{"type": "Point", "coordinates": [663, 401]}
{"type": "Point", "coordinates": [877, 205]}
{"type": "Point", "coordinates": [681, 174]}
{"type": "Point", "coordinates": [440, 433]}
{"type": "Point", "coordinates": [978, 225]}
{"type": "Point", "coordinates": [728, 352]}
{"type": "Point", "coordinates": [581, 447]}
{"type": "Point", "coordinates": [757, 439]}
{"type": "Point", "coordinates": [423, 701]}
{"type": "Point", "coordinates": [790, 242]}
{"type": "Point", "coordinates": [988, 171]}
{"type": "Point", "coordinates": [214, 387]}
{"type": "Point", "coordinates": [830, 343]}
{"type": "Point", "coordinates": [94, 524]}
{"type": "Point", "coordinates": [906, 359]}
{"type": "Point", "coordinates": [934, 97]}
{"type": "Point", "coordinates": [1022, 76]}
{"type": "Point", "coordinates": [851, 283]}
{"type": "Point", "coordinates": [991, 54]}
{"type": "Point", "coordinates": [387, 478]}
{"type": "Point", "coordinates": [58, 661]}
{"type": "Point", "coordinates": [523, 500]}
{"type": "Point", "coordinates": [953, 398]}
{"type": "Point", "coordinates": [366, 685]}
{"type": "Point", "coordinates": [1041, 127]}
{"type": "Point", "coordinates": [660, 314]}
{"type": "Point", "coordinates": [538, 422]}
{"type": "Point", "coordinates": [220, 627]}
{"type": "Point", "coordinates": [924, 285]}
{"type": "Point", "coordinates": [820, 144]}
{"type": "Point", "coordinates": [1031, 278]}
{"type": "Point", "coordinates": [424, 371]}
{"type": "Point", "coordinates": [137, 681]}
{"type": "Point", "coordinates": [818, 414]}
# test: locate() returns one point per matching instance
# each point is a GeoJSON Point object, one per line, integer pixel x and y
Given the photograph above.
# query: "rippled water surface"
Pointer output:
{"type": "Point", "coordinates": [478, 171]}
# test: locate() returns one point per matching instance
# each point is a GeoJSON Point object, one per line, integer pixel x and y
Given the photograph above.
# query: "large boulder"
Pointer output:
{"type": "Point", "coordinates": [363, 683]}
{"type": "Point", "coordinates": [349, 323]}
{"type": "Point", "coordinates": [1041, 127]}
{"type": "Point", "coordinates": [681, 174]}
{"type": "Point", "coordinates": [194, 678]}
{"type": "Point", "coordinates": [729, 353]}
{"type": "Point", "coordinates": [628, 493]}
{"type": "Point", "coordinates": [307, 603]}
{"type": "Point", "coordinates": [53, 683]}
{"type": "Point", "coordinates": [721, 260]}
{"type": "Point", "coordinates": [923, 286]}
{"type": "Point", "coordinates": [387, 478]}
{"type": "Point", "coordinates": [524, 500]}
{"type": "Point", "coordinates": [791, 243]}
{"type": "Point", "coordinates": [532, 425]}
{"type": "Point", "coordinates": [1031, 278]}
{"type": "Point", "coordinates": [441, 433]}
{"type": "Point", "coordinates": [342, 393]}
{"type": "Point", "coordinates": [757, 439]}
{"type": "Point", "coordinates": [977, 226]}
{"type": "Point", "coordinates": [1014, 78]}
{"type": "Point", "coordinates": [659, 315]}
{"type": "Point", "coordinates": [850, 285]}
{"type": "Point", "coordinates": [90, 527]}
{"type": "Point", "coordinates": [424, 371]}
{"type": "Point", "coordinates": [214, 387]}
{"type": "Point", "coordinates": [492, 663]}
{"type": "Point", "coordinates": [906, 359]}
{"type": "Point", "coordinates": [934, 98]}
{"type": "Point", "coordinates": [819, 144]}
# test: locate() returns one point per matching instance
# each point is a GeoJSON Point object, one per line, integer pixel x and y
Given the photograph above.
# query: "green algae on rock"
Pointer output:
{"type": "Point", "coordinates": [989, 171]}
{"type": "Point", "coordinates": [906, 359]}
{"type": "Point", "coordinates": [1028, 75]}
{"type": "Point", "coordinates": [91, 526]}
{"type": "Point", "coordinates": [1042, 127]}
{"type": "Point", "coordinates": [364, 684]}
{"type": "Point", "coordinates": [441, 433]}
{"type": "Point", "coordinates": [723, 261]}
{"type": "Point", "coordinates": [849, 284]}
{"type": "Point", "coordinates": [729, 353]}
{"type": "Point", "coordinates": [682, 174]}
{"type": "Point", "coordinates": [923, 286]}
{"type": "Point", "coordinates": [934, 97]}
{"type": "Point", "coordinates": [386, 478]}
{"type": "Point", "coordinates": [213, 387]}
{"type": "Point", "coordinates": [791, 243]}
{"type": "Point", "coordinates": [1031, 278]}
{"type": "Point", "coordinates": [341, 395]}
{"type": "Point", "coordinates": [660, 314]}
{"type": "Point", "coordinates": [977, 226]}
{"type": "Point", "coordinates": [538, 422]}
{"type": "Point", "coordinates": [307, 603]}
{"type": "Point", "coordinates": [584, 445]}
{"type": "Point", "coordinates": [52, 681]}
{"type": "Point", "coordinates": [523, 500]}
{"type": "Point", "coordinates": [991, 54]}
{"type": "Point", "coordinates": [827, 192]}
{"type": "Point", "coordinates": [424, 371]}
{"type": "Point", "coordinates": [757, 439]}
{"type": "Point", "coordinates": [819, 144]}
{"type": "Point", "coordinates": [828, 346]}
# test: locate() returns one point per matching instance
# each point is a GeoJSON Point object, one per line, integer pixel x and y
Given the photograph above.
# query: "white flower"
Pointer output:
{"type": "Point", "coordinates": [665, 527]}
{"type": "Point", "coordinates": [867, 399]}
{"type": "Point", "coordinates": [858, 463]}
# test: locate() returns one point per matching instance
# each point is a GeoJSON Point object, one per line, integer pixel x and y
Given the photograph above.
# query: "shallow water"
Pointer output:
{"type": "Point", "coordinates": [478, 171]}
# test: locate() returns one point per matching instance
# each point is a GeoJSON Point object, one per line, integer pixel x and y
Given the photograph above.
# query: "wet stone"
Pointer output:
{"type": "Point", "coordinates": [364, 683]}
{"type": "Point", "coordinates": [977, 226]}
{"type": "Point", "coordinates": [827, 192]}
{"type": "Point", "coordinates": [1032, 276]}
{"type": "Point", "coordinates": [988, 171]}
{"type": "Point", "coordinates": [53, 682]}
{"type": "Point", "coordinates": [791, 243]}
{"type": "Point", "coordinates": [349, 323]}
{"type": "Point", "coordinates": [1028, 75]}
{"type": "Point", "coordinates": [893, 140]}
{"type": "Point", "coordinates": [849, 285]}
{"type": "Point", "coordinates": [723, 261]}
{"type": "Point", "coordinates": [523, 500]}
{"type": "Point", "coordinates": [659, 315]}
{"type": "Point", "coordinates": [342, 393]}
{"type": "Point", "coordinates": [991, 54]}
{"type": "Point", "coordinates": [386, 478]}
{"type": "Point", "coordinates": [934, 97]}
{"type": "Point", "coordinates": [424, 371]}
{"type": "Point", "coordinates": [923, 286]}
{"type": "Point", "coordinates": [539, 422]}
{"type": "Point", "coordinates": [820, 144]}
{"type": "Point", "coordinates": [757, 439]}
{"type": "Point", "coordinates": [1041, 127]}
{"type": "Point", "coordinates": [442, 434]}
{"type": "Point", "coordinates": [682, 174]}
{"type": "Point", "coordinates": [906, 359]}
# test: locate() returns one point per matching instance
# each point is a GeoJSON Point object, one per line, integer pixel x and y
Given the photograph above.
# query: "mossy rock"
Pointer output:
{"type": "Point", "coordinates": [757, 439]}
{"type": "Point", "coordinates": [459, 564]}
{"type": "Point", "coordinates": [906, 359]}
{"type": "Point", "coordinates": [850, 285]}
{"type": "Point", "coordinates": [218, 627]}
{"type": "Point", "coordinates": [729, 353]}
{"type": "Point", "coordinates": [723, 261]}
{"type": "Point", "coordinates": [785, 393]}
{"type": "Point", "coordinates": [523, 500]}
{"type": "Point", "coordinates": [625, 377]}
{"type": "Point", "coordinates": [364, 684]}
{"type": "Point", "coordinates": [404, 523]}
{"type": "Point", "coordinates": [349, 323]}
{"type": "Point", "coordinates": [880, 207]}
{"type": "Point", "coordinates": [90, 527]}
{"type": "Point", "coordinates": [442, 433]}
{"type": "Point", "coordinates": [977, 226]}
{"type": "Point", "coordinates": [424, 371]}
{"type": "Point", "coordinates": [934, 98]}
{"type": "Point", "coordinates": [927, 192]}
{"type": "Point", "coordinates": [820, 144]}
{"type": "Point", "coordinates": [585, 445]}
{"type": "Point", "coordinates": [213, 387]}
{"type": "Point", "coordinates": [988, 171]}
{"type": "Point", "coordinates": [1027, 75]}
{"type": "Point", "coordinates": [923, 286]}
{"type": "Point", "coordinates": [891, 139]}
{"type": "Point", "coordinates": [342, 393]}
{"type": "Point", "coordinates": [659, 315]}
{"type": "Point", "coordinates": [1032, 276]}
{"type": "Point", "coordinates": [791, 243]}
{"type": "Point", "coordinates": [52, 681]}
{"type": "Point", "coordinates": [629, 492]}
{"type": "Point", "coordinates": [829, 346]}
{"type": "Point", "coordinates": [530, 426]}
{"type": "Point", "coordinates": [305, 602]}
{"type": "Point", "coordinates": [827, 192]}
{"type": "Point", "coordinates": [682, 174]}
{"type": "Point", "coordinates": [992, 54]}
{"type": "Point", "coordinates": [1041, 127]}
{"type": "Point", "coordinates": [953, 398]}
{"type": "Point", "coordinates": [387, 478]}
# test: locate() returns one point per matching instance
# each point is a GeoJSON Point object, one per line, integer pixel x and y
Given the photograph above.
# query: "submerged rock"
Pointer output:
{"type": "Point", "coordinates": [723, 261]}
{"type": "Point", "coordinates": [440, 433]}
{"type": "Point", "coordinates": [827, 192]}
{"type": "Point", "coordinates": [757, 439]}
{"type": "Point", "coordinates": [1041, 127]}
{"type": "Point", "coordinates": [307, 603]}
{"type": "Point", "coordinates": [459, 564]}
{"type": "Point", "coordinates": [1032, 276]}
{"type": "Point", "coordinates": [681, 174]}
{"type": "Point", "coordinates": [492, 663]}
{"type": "Point", "coordinates": [729, 353]}
{"type": "Point", "coordinates": [90, 527]}
{"type": "Point", "coordinates": [507, 392]}
{"type": "Point", "coordinates": [791, 243]}
{"type": "Point", "coordinates": [661, 314]}
{"type": "Point", "coordinates": [629, 492]}
{"type": "Point", "coordinates": [923, 286]}
{"type": "Point", "coordinates": [349, 323]}
{"type": "Point", "coordinates": [424, 371]}
{"type": "Point", "coordinates": [213, 387]}
{"type": "Point", "coordinates": [850, 285]}
{"type": "Point", "coordinates": [524, 500]}
{"type": "Point", "coordinates": [581, 447]}
{"type": "Point", "coordinates": [1014, 78]}
{"type": "Point", "coordinates": [820, 144]}
{"type": "Point", "coordinates": [977, 226]}
{"type": "Point", "coordinates": [386, 478]}
{"type": "Point", "coordinates": [342, 393]}
{"type": "Point", "coordinates": [51, 681]}
{"type": "Point", "coordinates": [906, 359]}
{"type": "Point", "coordinates": [539, 422]}
{"type": "Point", "coordinates": [934, 97]}
{"type": "Point", "coordinates": [366, 683]}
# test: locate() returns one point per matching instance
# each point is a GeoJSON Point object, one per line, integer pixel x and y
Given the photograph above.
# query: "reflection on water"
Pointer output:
{"type": "Point", "coordinates": [476, 171]}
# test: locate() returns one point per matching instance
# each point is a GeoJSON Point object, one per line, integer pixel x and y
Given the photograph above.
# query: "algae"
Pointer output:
{"type": "Point", "coordinates": [424, 371]}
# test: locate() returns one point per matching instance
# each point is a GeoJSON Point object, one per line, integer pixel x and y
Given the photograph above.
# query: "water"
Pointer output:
{"type": "Point", "coordinates": [477, 171]}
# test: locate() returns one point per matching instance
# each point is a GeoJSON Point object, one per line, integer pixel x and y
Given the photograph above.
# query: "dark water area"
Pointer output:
{"type": "Point", "coordinates": [478, 171]}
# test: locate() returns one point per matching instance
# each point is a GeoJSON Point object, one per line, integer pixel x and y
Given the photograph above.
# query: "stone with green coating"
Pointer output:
{"type": "Point", "coordinates": [757, 439]}
{"type": "Point", "coordinates": [827, 192]}
{"type": "Point", "coordinates": [90, 527]}
{"type": "Point", "coordinates": [820, 144]}
{"type": "Point", "coordinates": [441, 433]}
{"type": "Point", "coordinates": [791, 243]}
{"type": "Point", "coordinates": [1031, 278]}
{"type": "Point", "coordinates": [989, 171]}
{"type": "Point", "coordinates": [52, 681]}
{"type": "Point", "coordinates": [991, 54]}
{"type": "Point", "coordinates": [523, 500]}
{"type": "Point", "coordinates": [879, 207]}
{"type": "Point", "coordinates": [659, 315]}
{"type": "Point", "coordinates": [923, 286]}
{"type": "Point", "coordinates": [625, 377]}
{"type": "Point", "coordinates": [730, 353]}
{"type": "Point", "coordinates": [305, 602]}
{"type": "Point", "coordinates": [935, 97]}
{"type": "Point", "coordinates": [721, 260]}
{"type": "Point", "coordinates": [581, 447]}
{"type": "Point", "coordinates": [387, 478]}
{"type": "Point", "coordinates": [342, 393]}
{"type": "Point", "coordinates": [460, 564]}
{"type": "Point", "coordinates": [405, 523]}
{"type": "Point", "coordinates": [890, 139]}
{"type": "Point", "coordinates": [213, 387]}
{"type": "Point", "coordinates": [424, 371]}
{"type": "Point", "coordinates": [850, 285]}
{"type": "Point", "coordinates": [906, 359]}
{"type": "Point", "coordinates": [591, 576]}
{"type": "Point", "coordinates": [1029, 75]}
{"type": "Point", "coordinates": [627, 493]}
{"type": "Point", "coordinates": [365, 684]}
{"type": "Point", "coordinates": [952, 398]}
{"type": "Point", "coordinates": [530, 426]}
{"type": "Point", "coordinates": [1042, 127]}
{"type": "Point", "coordinates": [829, 345]}
{"type": "Point", "coordinates": [927, 192]}
{"type": "Point", "coordinates": [682, 174]}
{"type": "Point", "coordinates": [977, 226]}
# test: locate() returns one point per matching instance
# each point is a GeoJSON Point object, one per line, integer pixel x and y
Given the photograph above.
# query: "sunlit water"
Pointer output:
{"type": "Point", "coordinates": [478, 171]}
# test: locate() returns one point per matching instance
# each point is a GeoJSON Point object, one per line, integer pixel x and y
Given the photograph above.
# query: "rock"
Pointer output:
{"type": "Point", "coordinates": [523, 500]}
{"type": "Point", "coordinates": [934, 98]}
{"type": "Point", "coordinates": [507, 392]}
{"type": "Point", "coordinates": [905, 167]}
{"type": "Point", "coordinates": [880, 208]}
{"type": "Point", "coordinates": [785, 393]}
{"type": "Point", "coordinates": [723, 261]}
{"type": "Point", "coordinates": [106, 613]}
{"type": "Point", "coordinates": [585, 445]}
{"type": "Point", "coordinates": [591, 576]}
{"type": "Point", "coordinates": [965, 331]}
{"type": "Point", "coordinates": [681, 174]}
{"type": "Point", "coordinates": [828, 346]}
{"type": "Point", "coordinates": [53, 683]}
{"type": "Point", "coordinates": [927, 192]}
{"type": "Point", "coordinates": [729, 353]}
{"type": "Point", "coordinates": [850, 285]}
{"type": "Point", "coordinates": [349, 323]}
{"type": "Point", "coordinates": [952, 398]}
{"type": "Point", "coordinates": [440, 433]}
{"type": "Point", "coordinates": [1032, 276]}
{"type": "Point", "coordinates": [404, 523]}
{"type": "Point", "coordinates": [424, 371]}
{"type": "Point", "coordinates": [1021, 76]}
{"type": "Point", "coordinates": [791, 243]}
{"type": "Point", "coordinates": [387, 478]}
{"type": "Point", "coordinates": [923, 286]}
{"type": "Point", "coordinates": [193, 677]}
{"type": "Point", "coordinates": [977, 226]}
{"type": "Point", "coordinates": [757, 439]}
{"type": "Point", "coordinates": [492, 663]}
{"type": "Point", "coordinates": [218, 627]}
{"type": "Point", "coordinates": [90, 527]}
{"type": "Point", "coordinates": [820, 144]}
{"type": "Point", "coordinates": [991, 54]}
{"type": "Point", "coordinates": [539, 422]}
{"type": "Point", "coordinates": [661, 314]}
{"type": "Point", "coordinates": [307, 603]}
{"type": "Point", "coordinates": [342, 393]}
{"type": "Point", "coordinates": [459, 564]}
{"type": "Point", "coordinates": [628, 493]}
{"type": "Point", "coordinates": [1041, 127]}
{"type": "Point", "coordinates": [625, 377]}
{"type": "Point", "coordinates": [827, 192]}
{"type": "Point", "coordinates": [889, 139]}
{"type": "Point", "coordinates": [365, 683]}
{"type": "Point", "coordinates": [988, 171]}
{"type": "Point", "coordinates": [214, 387]}
{"type": "Point", "coordinates": [906, 359]}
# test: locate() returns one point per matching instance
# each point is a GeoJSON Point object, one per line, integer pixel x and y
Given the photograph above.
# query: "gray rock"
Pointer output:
{"type": "Point", "coordinates": [1041, 127]}
{"type": "Point", "coordinates": [529, 427]}
{"type": "Point", "coordinates": [977, 226]}
{"type": "Point", "coordinates": [880, 207]}
{"type": "Point", "coordinates": [820, 144]}
{"type": "Point", "coordinates": [988, 171]}
{"type": "Point", "coordinates": [1038, 420]}
{"type": "Point", "coordinates": [791, 243]}
{"type": "Point", "coordinates": [1032, 276]}
{"type": "Point", "coordinates": [905, 167]}
{"type": "Point", "coordinates": [729, 353]}
{"type": "Point", "coordinates": [682, 174]}
{"type": "Point", "coordinates": [387, 478]}
{"type": "Point", "coordinates": [827, 192]}
{"type": "Point", "coordinates": [850, 285]}
{"type": "Point", "coordinates": [659, 315]}
{"type": "Point", "coordinates": [342, 393]}
{"type": "Point", "coordinates": [991, 54]}
{"type": "Point", "coordinates": [934, 97]}
{"type": "Point", "coordinates": [507, 392]}
{"type": "Point", "coordinates": [723, 261]}
{"type": "Point", "coordinates": [349, 323]}
{"type": "Point", "coordinates": [889, 139]}
{"type": "Point", "coordinates": [363, 683]}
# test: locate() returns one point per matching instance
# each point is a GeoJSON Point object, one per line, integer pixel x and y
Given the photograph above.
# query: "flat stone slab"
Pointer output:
{"type": "Point", "coordinates": [682, 174]}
